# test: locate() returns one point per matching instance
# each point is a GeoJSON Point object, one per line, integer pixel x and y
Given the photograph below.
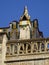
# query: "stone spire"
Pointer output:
{"type": "Point", "coordinates": [25, 11]}
{"type": "Point", "coordinates": [25, 14]}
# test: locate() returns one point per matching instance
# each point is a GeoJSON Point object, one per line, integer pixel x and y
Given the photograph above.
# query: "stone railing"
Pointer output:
{"type": "Point", "coordinates": [30, 46]}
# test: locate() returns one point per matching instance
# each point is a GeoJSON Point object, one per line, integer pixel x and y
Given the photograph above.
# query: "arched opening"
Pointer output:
{"type": "Point", "coordinates": [21, 49]}
{"type": "Point", "coordinates": [25, 48]}
{"type": "Point", "coordinates": [42, 47]}
{"type": "Point", "coordinates": [29, 48]}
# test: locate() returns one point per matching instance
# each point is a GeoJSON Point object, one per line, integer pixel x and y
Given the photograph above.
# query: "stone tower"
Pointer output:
{"type": "Point", "coordinates": [25, 25]}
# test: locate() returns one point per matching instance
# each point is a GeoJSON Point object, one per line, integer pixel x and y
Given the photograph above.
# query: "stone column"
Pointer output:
{"type": "Point", "coordinates": [45, 46]}
{"type": "Point", "coordinates": [18, 48]}
{"type": "Point", "coordinates": [31, 47]}
{"type": "Point", "coordinates": [4, 49]}
{"type": "Point", "coordinates": [40, 48]}
{"type": "Point", "coordinates": [26, 48]}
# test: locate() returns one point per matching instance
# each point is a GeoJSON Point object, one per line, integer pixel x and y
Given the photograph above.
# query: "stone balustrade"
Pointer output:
{"type": "Point", "coordinates": [32, 46]}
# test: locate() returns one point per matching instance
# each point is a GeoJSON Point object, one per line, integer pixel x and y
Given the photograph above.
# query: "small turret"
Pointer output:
{"type": "Point", "coordinates": [35, 23]}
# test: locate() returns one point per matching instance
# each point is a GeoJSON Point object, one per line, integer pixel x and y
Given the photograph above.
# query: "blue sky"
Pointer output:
{"type": "Point", "coordinates": [12, 10]}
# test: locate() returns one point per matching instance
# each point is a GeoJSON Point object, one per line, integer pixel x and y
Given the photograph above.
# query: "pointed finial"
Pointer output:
{"type": "Point", "coordinates": [25, 10]}
{"type": "Point", "coordinates": [25, 7]}
{"type": "Point", "coordinates": [25, 13]}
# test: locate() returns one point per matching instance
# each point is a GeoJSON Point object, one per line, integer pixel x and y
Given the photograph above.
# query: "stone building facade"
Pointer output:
{"type": "Point", "coordinates": [22, 43]}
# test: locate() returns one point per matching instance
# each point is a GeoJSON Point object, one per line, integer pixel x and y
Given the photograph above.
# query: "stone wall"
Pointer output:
{"type": "Point", "coordinates": [34, 62]}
